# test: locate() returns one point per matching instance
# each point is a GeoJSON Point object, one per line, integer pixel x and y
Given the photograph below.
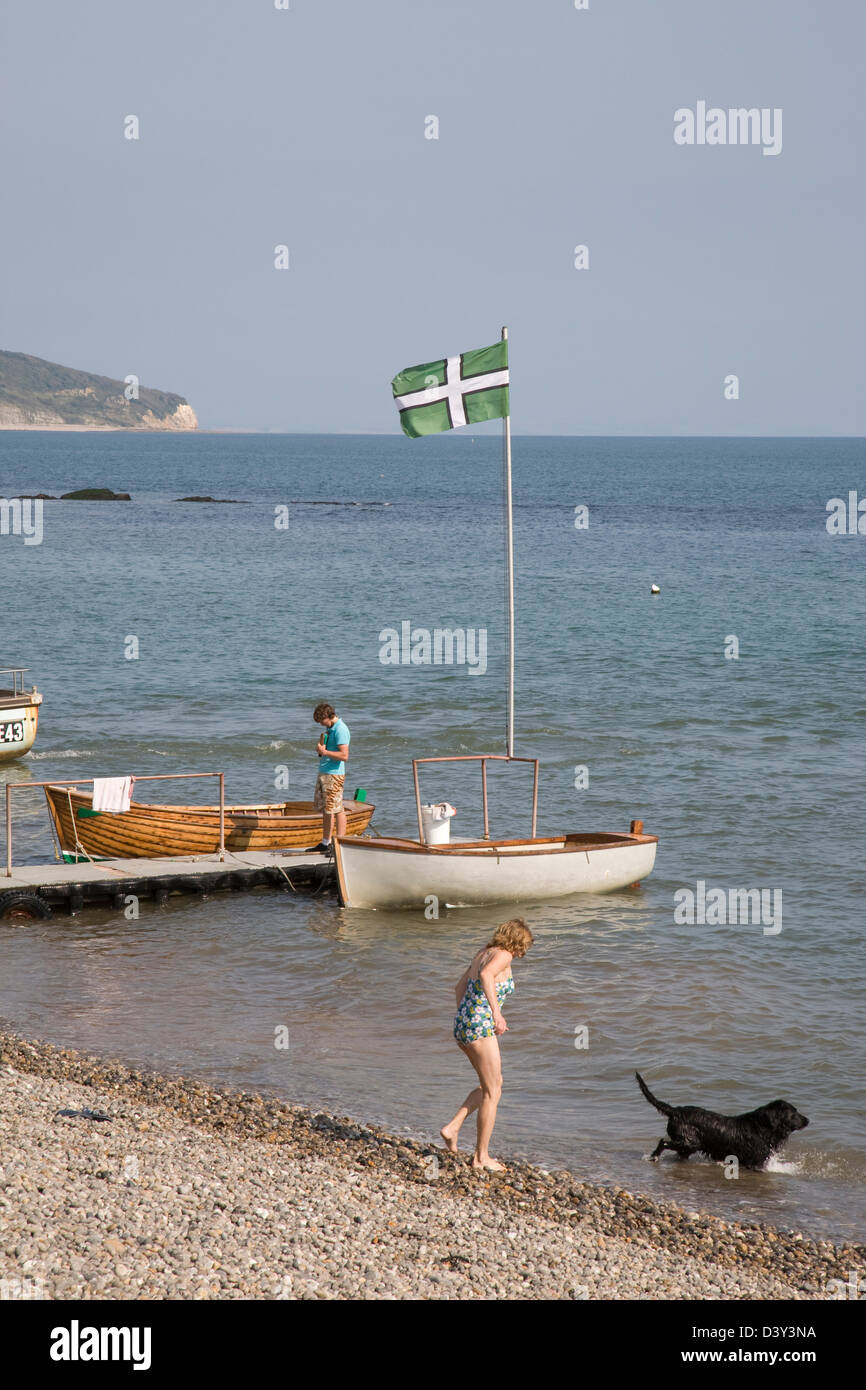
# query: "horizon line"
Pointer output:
{"type": "Point", "coordinates": [524, 434]}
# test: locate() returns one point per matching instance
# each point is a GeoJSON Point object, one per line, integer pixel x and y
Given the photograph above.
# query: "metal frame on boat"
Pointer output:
{"type": "Point", "coordinates": [484, 759]}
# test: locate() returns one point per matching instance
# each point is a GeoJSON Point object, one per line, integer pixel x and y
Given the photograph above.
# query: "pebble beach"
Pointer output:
{"type": "Point", "coordinates": [160, 1187]}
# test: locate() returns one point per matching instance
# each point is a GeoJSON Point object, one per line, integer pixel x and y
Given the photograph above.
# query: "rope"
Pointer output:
{"type": "Point", "coordinates": [78, 844]}
{"type": "Point", "coordinates": [55, 839]}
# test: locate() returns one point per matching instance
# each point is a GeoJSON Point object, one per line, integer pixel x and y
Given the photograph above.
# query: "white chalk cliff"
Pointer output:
{"type": "Point", "coordinates": [36, 394]}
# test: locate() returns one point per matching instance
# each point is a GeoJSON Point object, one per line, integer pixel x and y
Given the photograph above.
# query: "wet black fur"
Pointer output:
{"type": "Point", "coordinates": [752, 1138]}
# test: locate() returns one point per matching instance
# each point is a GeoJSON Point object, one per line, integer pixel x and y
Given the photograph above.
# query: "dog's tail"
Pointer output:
{"type": "Point", "coordinates": [659, 1105]}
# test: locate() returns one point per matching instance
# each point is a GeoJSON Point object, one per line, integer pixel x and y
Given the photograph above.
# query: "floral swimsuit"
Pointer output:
{"type": "Point", "coordinates": [474, 1016]}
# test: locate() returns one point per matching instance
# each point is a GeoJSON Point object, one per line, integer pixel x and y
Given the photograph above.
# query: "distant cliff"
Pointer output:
{"type": "Point", "coordinates": [35, 394]}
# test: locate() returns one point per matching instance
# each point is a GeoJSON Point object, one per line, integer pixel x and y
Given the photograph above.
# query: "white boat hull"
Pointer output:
{"type": "Point", "coordinates": [19, 720]}
{"type": "Point", "coordinates": [403, 874]}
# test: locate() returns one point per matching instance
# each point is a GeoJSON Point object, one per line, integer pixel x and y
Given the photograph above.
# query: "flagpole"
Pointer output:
{"type": "Point", "coordinates": [509, 578]}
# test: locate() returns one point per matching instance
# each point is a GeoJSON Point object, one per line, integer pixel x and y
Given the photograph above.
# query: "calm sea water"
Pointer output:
{"type": "Point", "coordinates": [750, 770]}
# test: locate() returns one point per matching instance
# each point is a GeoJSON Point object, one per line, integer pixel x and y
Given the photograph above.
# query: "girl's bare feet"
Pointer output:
{"type": "Point", "coordinates": [449, 1134]}
{"type": "Point", "coordinates": [492, 1164]}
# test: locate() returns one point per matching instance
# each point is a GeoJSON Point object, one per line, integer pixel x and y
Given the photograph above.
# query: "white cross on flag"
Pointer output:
{"type": "Point", "coordinates": [454, 391]}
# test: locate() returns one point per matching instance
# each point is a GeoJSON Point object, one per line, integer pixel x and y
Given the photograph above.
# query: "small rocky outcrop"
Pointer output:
{"type": "Point", "coordinates": [95, 494]}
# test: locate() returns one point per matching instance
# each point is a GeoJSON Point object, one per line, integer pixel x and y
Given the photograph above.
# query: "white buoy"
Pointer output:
{"type": "Point", "coordinates": [655, 589]}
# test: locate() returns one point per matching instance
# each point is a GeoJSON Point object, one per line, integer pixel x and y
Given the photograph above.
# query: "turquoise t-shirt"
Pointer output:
{"type": "Point", "coordinates": [335, 736]}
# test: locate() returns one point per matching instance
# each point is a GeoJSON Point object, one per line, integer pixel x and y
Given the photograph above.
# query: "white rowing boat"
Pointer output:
{"type": "Point", "coordinates": [391, 872]}
{"type": "Point", "coordinates": [405, 874]}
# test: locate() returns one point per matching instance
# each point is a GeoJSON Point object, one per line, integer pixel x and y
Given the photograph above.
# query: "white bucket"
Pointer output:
{"type": "Point", "coordinates": [436, 820]}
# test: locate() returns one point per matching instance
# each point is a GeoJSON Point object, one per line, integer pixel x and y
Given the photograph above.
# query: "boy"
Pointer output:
{"type": "Point", "coordinates": [333, 750]}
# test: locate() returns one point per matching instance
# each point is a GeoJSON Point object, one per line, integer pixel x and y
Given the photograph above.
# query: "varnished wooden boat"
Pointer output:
{"type": "Point", "coordinates": [149, 831]}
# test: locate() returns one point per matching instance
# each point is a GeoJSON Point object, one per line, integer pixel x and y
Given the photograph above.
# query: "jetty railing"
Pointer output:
{"type": "Point", "coordinates": [149, 777]}
{"type": "Point", "coordinates": [484, 759]}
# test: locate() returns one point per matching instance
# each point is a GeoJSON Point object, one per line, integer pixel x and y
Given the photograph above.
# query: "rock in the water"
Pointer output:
{"type": "Point", "coordinates": [95, 494]}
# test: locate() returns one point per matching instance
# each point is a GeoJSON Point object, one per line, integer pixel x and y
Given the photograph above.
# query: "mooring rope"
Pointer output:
{"type": "Point", "coordinates": [78, 844]}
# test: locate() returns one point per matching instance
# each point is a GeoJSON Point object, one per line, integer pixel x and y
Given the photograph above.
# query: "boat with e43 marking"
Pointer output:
{"type": "Point", "coordinates": [19, 713]}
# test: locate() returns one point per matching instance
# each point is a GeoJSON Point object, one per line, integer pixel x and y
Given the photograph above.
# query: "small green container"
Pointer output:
{"type": "Point", "coordinates": [360, 793]}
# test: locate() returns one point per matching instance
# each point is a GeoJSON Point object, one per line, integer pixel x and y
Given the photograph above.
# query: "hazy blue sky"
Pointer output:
{"type": "Point", "coordinates": [307, 127]}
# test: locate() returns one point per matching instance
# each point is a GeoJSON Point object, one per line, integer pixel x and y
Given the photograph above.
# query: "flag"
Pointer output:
{"type": "Point", "coordinates": [454, 391]}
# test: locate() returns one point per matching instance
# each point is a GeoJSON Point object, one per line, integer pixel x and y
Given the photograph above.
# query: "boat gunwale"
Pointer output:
{"type": "Point", "coordinates": [551, 844]}
{"type": "Point", "coordinates": [240, 811]}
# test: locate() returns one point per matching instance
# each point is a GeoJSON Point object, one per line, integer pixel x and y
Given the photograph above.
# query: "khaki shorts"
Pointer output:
{"type": "Point", "coordinates": [329, 792]}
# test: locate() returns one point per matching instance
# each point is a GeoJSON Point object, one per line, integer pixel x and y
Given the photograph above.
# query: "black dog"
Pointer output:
{"type": "Point", "coordinates": [751, 1138]}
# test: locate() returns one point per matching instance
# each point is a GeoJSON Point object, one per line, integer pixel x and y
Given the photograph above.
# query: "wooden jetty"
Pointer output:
{"type": "Point", "coordinates": [35, 891]}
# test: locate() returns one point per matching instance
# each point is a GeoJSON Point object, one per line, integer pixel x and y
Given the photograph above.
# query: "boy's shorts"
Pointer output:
{"type": "Point", "coordinates": [329, 792]}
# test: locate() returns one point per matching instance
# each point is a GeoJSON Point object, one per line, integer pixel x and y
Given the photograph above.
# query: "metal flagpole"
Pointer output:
{"type": "Point", "coordinates": [509, 576]}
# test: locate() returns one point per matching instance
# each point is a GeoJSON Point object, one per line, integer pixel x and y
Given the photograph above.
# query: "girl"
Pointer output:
{"type": "Point", "coordinates": [479, 1022]}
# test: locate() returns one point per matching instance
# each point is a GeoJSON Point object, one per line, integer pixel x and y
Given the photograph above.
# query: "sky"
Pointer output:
{"type": "Point", "coordinates": [308, 127]}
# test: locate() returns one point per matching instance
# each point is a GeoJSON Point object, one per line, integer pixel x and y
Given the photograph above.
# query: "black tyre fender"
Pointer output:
{"type": "Point", "coordinates": [18, 904]}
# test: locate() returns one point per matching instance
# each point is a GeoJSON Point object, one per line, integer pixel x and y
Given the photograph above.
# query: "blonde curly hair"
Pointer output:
{"type": "Point", "coordinates": [513, 936]}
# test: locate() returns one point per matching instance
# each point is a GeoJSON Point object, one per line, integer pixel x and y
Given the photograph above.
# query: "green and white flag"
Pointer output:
{"type": "Point", "coordinates": [454, 391]}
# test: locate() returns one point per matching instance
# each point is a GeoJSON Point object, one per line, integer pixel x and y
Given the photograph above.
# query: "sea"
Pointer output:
{"type": "Point", "coordinates": [727, 711]}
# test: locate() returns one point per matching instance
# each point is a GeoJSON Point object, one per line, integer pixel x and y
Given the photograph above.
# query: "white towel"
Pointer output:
{"type": "Point", "coordinates": [112, 793]}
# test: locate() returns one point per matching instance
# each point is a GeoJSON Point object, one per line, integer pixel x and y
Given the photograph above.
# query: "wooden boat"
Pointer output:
{"type": "Point", "coordinates": [150, 831]}
{"type": "Point", "coordinates": [405, 874]}
{"type": "Point", "coordinates": [19, 715]}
